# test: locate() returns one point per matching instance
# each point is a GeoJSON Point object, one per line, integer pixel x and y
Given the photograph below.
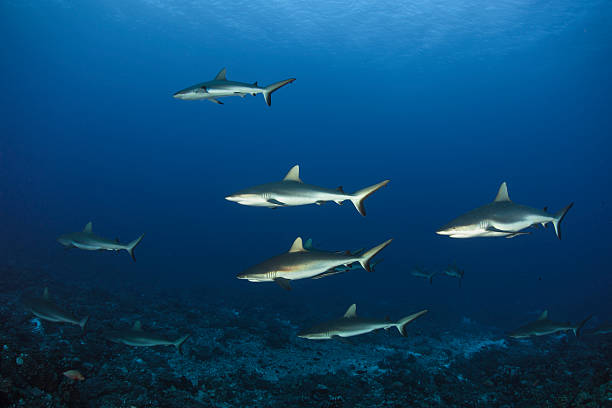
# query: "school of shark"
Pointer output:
{"type": "Point", "coordinates": [500, 218]}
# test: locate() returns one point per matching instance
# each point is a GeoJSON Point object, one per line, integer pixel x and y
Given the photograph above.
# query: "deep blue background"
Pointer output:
{"type": "Point", "coordinates": [446, 99]}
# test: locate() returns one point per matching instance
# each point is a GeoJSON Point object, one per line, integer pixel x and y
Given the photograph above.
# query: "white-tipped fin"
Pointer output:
{"type": "Point", "coordinates": [351, 311]}
{"type": "Point", "coordinates": [137, 325]}
{"type": "Point", "coordinates": [358, 196]}
{"type": "Point", "coordinates": [221, 75]}
{"type": "Point", "coordinates": [544, 315]}
{"type": "Point", "coordinates": [502, 193]}
{"type": "Point", "coordinates": [88, 228]}
{"type": "Point", "coordinates": [294, 174]}
{"type": "Point", "coordinates": [297, 246]}
{"type": "Point", "coordinates": [46, 293]}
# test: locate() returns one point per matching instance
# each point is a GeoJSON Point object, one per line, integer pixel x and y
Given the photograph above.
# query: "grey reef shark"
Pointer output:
{"type": "Point", "coordinates": [544, 326]}
{"type": "Point", "coordinates": [292, 191]}
{"type": "Point", "coordinates": [46, 309]}
{"type": "Point", "coordinates": [454, 272]}
{"type": "Point", "coordinates": [301, 263]}
{"type": "Point", "coordinates": [352, 325]}
{"type": "Point", "coordinates": [136, 337]}
{"type": "Point", "coordinates": [220, 87]}
{"type": "Point", "coordinates": [422, 273]}
{"type": "Point", "coordinates": [89, 241]}
{"type": "Point", "coordinates": [502, 218]}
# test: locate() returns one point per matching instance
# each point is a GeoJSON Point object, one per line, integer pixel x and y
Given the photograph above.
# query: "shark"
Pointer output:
{"type": "Point", "coordinates": [135, 336]}
{"type": "Point", "coordinates": [341, 269]}
{"type": "Point", "coordinates": [292, 191]}
{"type": "Point", "coordinates": [89, 241]}
{"type": "Point", "coordinates": [220, 87]}
{"type": "Point", "coordinates": [45, 309]}
{"type": "Point", "coordinates": [422, 273]}
{"type": "Point", "coordinates": [454, 272]}
{"type": "Point", "coordinates": [502, 218]}
{"type": "Point", "coordinates": [543, 326]}
{"type": "Point", "coordinates": [352, 325]}
{"type": "Point", "coordinates": [300, 263]}
{"type": "Point", "coordinates": [600, 330]}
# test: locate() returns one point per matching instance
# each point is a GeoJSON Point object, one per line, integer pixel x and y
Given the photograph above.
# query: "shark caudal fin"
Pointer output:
{"type": "Point", "coordinates": [367, 257]}
{"type": "Point", "coordinates": [580, 325]}
{"type": "Point", "coordinates": [180, 342]}
{"type": "Point", "coordinates": [83, 323]}
{"type": "Point", "coordinates": [267, 91]}
{"type": "Point", "coordinates": [431, 277]}
{"type": "Point", "coordinates": [130, 247]}
{"type": "Point", "coordinates": [558, 218]}
{"type": "Point", "coordinates": [403, 322]}
{"type": "Point", "coordinates": [358, 196]}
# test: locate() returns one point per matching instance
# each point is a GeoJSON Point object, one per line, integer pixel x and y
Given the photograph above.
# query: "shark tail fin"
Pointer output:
{"type": "Point", "coordinates": [132, 245]}
{"type": "Point", "coordinates": [267, 92]}
{"type": "Point", "coordinates": [367, 257]}
{"type": "Point", "coordinates": [83, 323]}
{"type": "Point", "coordinates": [358, 196]}
{"type": "Point", "coordinates": [558, 218]}
{"type": "Point", "coordinates": [178, 344]}
{"type": "Point", "coordinates": [578, 328]}
{"type": "Point", "coordinates": [403, 322]}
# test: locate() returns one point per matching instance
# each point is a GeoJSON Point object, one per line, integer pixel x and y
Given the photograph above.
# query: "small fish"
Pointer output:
{"type": "Point", "coordinates": [74, 375]}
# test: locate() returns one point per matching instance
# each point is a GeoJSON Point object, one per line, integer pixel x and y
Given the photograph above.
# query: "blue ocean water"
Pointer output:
{"type": "Point", "coordinates": [447, 99]}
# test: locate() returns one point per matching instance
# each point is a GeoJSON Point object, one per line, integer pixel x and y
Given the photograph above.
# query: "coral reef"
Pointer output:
{"type": "Point", "coordinates": [239, 357]}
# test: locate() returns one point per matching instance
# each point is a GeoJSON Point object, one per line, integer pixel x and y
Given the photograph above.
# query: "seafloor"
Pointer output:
{"type": "Point", "coordinates": [241, 356]}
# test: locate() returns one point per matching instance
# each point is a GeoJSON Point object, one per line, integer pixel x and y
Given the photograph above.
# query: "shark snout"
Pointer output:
{"type": "Point", "coordinates": [444, 231]}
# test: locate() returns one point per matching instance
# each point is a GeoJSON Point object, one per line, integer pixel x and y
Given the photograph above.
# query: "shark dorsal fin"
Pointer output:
{"type": "Point", "coordinates": [88, 228]}
{"type": "Point", "coordinates": [137, 325]}
{"type": "Point", "coordinates": [308, 244]}
{"type": "Point", "coordinates": [544, 315]}
{"type": "Point", "coordinates": [502, 193]}
{"type": "Point", "coordinates": [297, 246]}
{"type": "Point", "coordinates": [255, 83]}
{"type": "Point", "coordinates": [351, 311]}
{"type": "Point", "coordinates": [294, 174]}
{"type": "Point", "coordinates": [221, 75]}
{"type": "Point", "coordinates": [46, 293]}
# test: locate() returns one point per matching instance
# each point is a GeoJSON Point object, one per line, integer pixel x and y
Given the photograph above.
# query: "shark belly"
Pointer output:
{"type": "Point", "coordinates": [311, 269]}
{"type": "Point", "coordinates": [144, 342]}
{"type": "Point", "coordinates": [358, 329]}
{"type": "Point", "coordinates": [87, 247]}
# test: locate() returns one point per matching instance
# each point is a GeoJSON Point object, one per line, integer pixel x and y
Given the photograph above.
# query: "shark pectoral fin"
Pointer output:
{"type": "Point", "coordinates": [275, 202]}
{"type": "Point", "coordinates": [342, 339]}
{"type": "Point", "coordinates": [491, 228]}
{"type": "Point", "coordinates": [215, 101]}
{"type": "Point", "coordinates": [283, 283]}
{"type": "Point", "coordinates": [516, 234]}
